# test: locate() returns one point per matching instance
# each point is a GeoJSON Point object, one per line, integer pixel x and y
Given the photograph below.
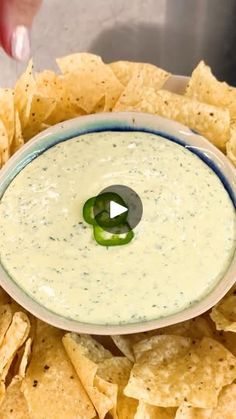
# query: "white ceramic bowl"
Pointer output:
{"type": "Point", "coordinates": [124, 122]}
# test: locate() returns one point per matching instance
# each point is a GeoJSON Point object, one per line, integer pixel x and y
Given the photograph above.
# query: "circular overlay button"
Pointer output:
{"type": "Point", "coordinates": [117, 209]}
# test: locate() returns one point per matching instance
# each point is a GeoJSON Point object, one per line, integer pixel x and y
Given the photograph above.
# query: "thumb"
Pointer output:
{"type": "Point", "coordinates": [16, 17]}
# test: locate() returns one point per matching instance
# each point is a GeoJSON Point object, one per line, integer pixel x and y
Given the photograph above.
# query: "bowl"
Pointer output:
{"type": "Point", "coordinates": [122, 122]}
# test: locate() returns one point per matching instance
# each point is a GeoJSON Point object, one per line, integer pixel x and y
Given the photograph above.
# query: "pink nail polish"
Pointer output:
{"type": "Point", "coordinates": [20, 43]}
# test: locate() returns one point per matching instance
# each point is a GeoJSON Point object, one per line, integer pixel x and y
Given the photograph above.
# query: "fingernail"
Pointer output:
{"type": "Point", "coordinates": [20, 43]}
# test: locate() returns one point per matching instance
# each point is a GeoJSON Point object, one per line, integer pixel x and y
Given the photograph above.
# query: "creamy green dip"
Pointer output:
{"type": "Point", "coordinates": [181, 248]}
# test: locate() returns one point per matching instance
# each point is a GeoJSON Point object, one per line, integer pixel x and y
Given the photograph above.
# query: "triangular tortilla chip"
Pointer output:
{"type": "Point", "coordinates": [171, 370]}
{"type": "Point", "coordinates": [14, 405]}
{"type": "Point", "coordinates": [51, 383]}
{"type": "Point", "coordinates": [204, 87]}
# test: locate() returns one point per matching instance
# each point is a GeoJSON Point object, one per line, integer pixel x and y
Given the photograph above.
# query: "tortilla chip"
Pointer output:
{"type": "Point", "coordinates": [51, 384]}
{"type": "Point", "coordinates": [85, 354]}
{"type": "Point", "coordinates": [101, 87]}
{"type": "Point", "coordinates": [7, 376]}
{"type": "Point", "coordinates": [49, 84]}
{"type": "Point", "coordinates": [76, 61]}
{"type": "Point", "coordinates": [16, 307]}
{"type": "Point", "coordinates": [204, 87]}
{"type": "Point", "coordinates": [14, 338]}
{"type": "Point", "coordinates": [107, 342]}
{"type": "Point", "coordinates": [117, 370]}
{"type": "Point", "coordinates": [126, 407]}
{"type": "Point", "coordinates": [7, 111]}
{"type": "Point", "coordinates": [89, 347]}
{"type": "Point", "coordinates": [12, 366]}
{"type": "Point", "coordinates": [125, 343]}
{"type": "Point", "coordinates": [2, 391]}
{"type": "Point", "coordinates": [33, 106]}
{"type": "Point", "coordinates": [139, 87]}
{"type": "Point", "coordinates": [211, 122]}
{"type": "Point", "coordinates": [228, 339]}
{"type": "Point", "coordinates": [146, 411]}
{"type": "Point", "coordinates": [226, 407]}
{"type": "Point", "coordinates": [171, 370]}
{"type": "Point", "coordinates": [100, 106]}
{"type": "Point", "coordinates": [37, 111]}
{"type": "Point", "coordinates": [4, 297]}
{"type": "Point", "coordinates": [231, 145]}
{"type": "Point", "coordinates": [89, 80]}
{"type": "Point", "coordinates": [5, 320]}
{"type": "Point", "coordinates": [33, 103]}
{"type": "Point", "coordinates": [188, 412]}
{"type": "Point", "coordinates": [14, 404]}
{"type": "Point", "coordinates": [17, 366]}
{"type": "Point", "coordinates": [4, 144]}
{"type": "Point", "coordinates": [24, 358]}
{"type": "Point", "coordinates": [125, 70]}
{"type": "Point", "coordinates": [24, 88]}
{"type": "Point", "coordinates": [46, 83]}
{"type": "Point", "coordinates": [110, 391]}
{"type": "Point", "coordinates": [195, 328]}
{"type": "Point", "coordinates": [18, 140]}
{"type": "Point", "coordinates": [224, 313]}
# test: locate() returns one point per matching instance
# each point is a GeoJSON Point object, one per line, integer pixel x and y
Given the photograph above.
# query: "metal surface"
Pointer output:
{"type": "Point", "coordinates": [174, 34]}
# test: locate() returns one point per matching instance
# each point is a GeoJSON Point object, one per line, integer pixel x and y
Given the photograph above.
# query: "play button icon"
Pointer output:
{"type": "Point", "coordinates": [117, 207]}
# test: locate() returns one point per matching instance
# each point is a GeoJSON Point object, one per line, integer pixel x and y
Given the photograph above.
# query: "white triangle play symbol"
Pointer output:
{"type": "Point", "coordinates": [116, 209]}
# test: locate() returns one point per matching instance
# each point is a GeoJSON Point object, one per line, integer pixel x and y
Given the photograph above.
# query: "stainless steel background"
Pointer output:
{"type": "Point", "coordinates": [174, 34]}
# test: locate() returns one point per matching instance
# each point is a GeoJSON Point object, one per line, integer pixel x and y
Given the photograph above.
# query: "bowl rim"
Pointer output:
{"type": "Point", "coordinates": [127, 121]}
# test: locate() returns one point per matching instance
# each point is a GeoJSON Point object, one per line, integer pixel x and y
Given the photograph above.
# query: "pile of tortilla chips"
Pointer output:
{"type": "Point", "coordinates": [84, 84]}
{"type": "Point", "coordinates": [184, 371]}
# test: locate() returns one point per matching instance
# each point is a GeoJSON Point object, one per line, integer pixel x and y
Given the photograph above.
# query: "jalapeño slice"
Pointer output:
{"type": "Point", "coordinates": [96, 211]}
{"type": "Point", "coordinates": [104, 238]}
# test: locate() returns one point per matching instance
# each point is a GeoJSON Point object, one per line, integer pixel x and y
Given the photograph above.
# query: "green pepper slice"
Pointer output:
{"type": "Point", "coordinates": [103, 210]}
{"type": "Point", "coordinates": [105, 238]}
{"type": "Point", "coordinates": [102, 220]}
{"type": "Point", "coordinates": [88, 210]}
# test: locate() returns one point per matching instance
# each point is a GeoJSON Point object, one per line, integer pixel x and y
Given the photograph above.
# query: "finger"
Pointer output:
{"type": "Point", "coordinates": [16, 17]}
